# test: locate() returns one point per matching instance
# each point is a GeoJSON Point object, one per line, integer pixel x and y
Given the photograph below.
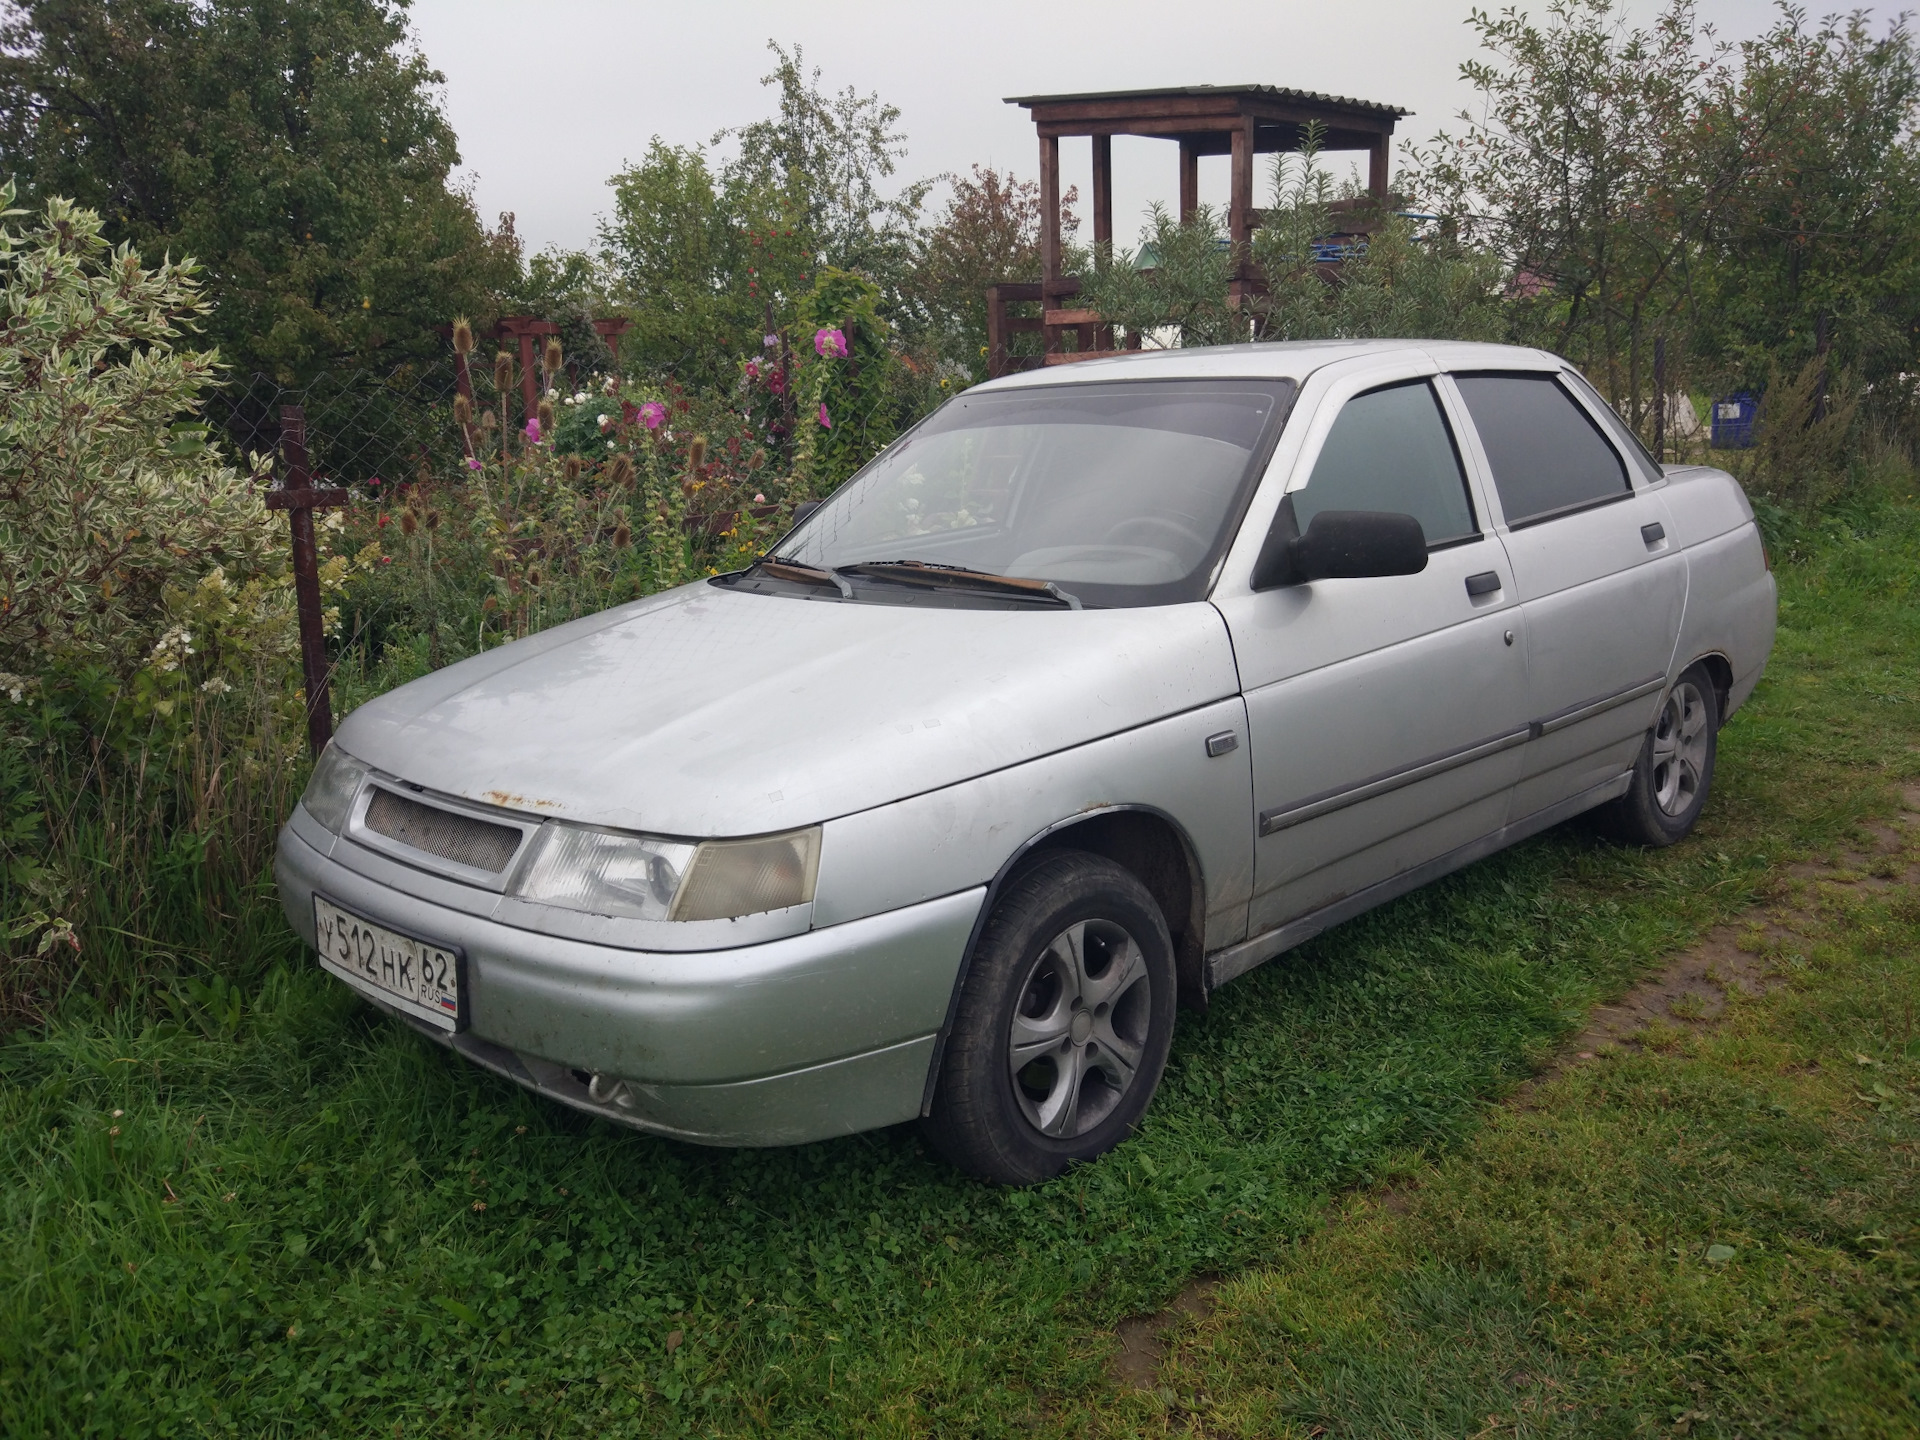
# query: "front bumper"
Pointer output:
{"type": "Point", "coordinates": [823, 1033]}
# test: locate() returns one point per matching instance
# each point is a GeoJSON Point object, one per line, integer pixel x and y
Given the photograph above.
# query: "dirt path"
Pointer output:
{"type": "Point", "coordinates": [1691, 992]}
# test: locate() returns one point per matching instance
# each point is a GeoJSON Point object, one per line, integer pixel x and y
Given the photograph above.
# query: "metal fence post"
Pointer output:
{"type": "Point", "coordinates": [297, 496]}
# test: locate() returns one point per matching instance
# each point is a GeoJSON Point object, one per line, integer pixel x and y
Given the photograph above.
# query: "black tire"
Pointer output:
{"type": "Point", "coordinates": [1671, 778]}
{"type": "Point", "coordinates": [1118, 991]}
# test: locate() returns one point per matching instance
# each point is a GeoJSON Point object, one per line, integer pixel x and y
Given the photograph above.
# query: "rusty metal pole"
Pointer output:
{"type": "Point", "coordinates": [298, 497]}
{"type": "Point", "coordinates": [1660, 398]}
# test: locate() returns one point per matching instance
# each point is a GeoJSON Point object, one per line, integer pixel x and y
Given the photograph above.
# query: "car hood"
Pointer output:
{"type": "Point", "coordinates": [705, 712]}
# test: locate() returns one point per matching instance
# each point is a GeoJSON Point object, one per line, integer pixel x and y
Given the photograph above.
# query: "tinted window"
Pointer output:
{"type": "Point", "coordinates": [1547, 456]}
{"type": "Point", "coordinates": [1122, 494]}
{"type": "Point", "coordinates": [1391, 450]}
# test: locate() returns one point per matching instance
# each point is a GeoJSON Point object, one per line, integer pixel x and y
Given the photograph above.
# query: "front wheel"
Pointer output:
{"type": "Point", "coordinates": [1671, 778]}
{"type": "Point", "coordinates": [1063, 1027]}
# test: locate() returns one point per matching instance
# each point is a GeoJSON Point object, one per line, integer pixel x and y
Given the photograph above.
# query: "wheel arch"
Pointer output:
{"type": "Point", "coordinates": [1720, 670]}
{"type": "Point", "coordinates": [1149, 844]}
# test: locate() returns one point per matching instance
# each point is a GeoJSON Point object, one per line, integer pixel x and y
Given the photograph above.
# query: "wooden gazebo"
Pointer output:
{"type": "Point", "coordinates": [1241, 121]}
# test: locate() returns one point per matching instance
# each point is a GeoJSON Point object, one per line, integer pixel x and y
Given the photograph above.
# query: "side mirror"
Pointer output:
{"type": "Point", "coordinates": [803, 510]}
{"type": "Point", "coordinates": [1340, 545]}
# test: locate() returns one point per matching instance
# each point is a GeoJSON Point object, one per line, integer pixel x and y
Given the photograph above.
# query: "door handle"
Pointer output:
{"type": "Point", "coordinates": [1653, 534]}
{"type": "Point", "coordinates": [1485, 583]}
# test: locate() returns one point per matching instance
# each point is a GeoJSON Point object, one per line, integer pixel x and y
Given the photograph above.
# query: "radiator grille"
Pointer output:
{"type": "Point", "coordinates": [459, 838]}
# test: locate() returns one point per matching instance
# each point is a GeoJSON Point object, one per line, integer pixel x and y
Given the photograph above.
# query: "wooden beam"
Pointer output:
{"type": "Point", "coordinates": [1103, 190]}
{"type": "Point", "coordinates": [1072, 317]}
{"type": "Point", "coordinates": [1377, 167]}
{"type": "Point", "coordinates": [1189, 181]}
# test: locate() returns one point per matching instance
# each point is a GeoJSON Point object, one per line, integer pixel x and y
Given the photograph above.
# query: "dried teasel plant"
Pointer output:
{"type": "Point", "coordinates": [487, 422]}
{"type": "Point", "coordinates": [553, 357]}
{"type": "Point", "coordinates": [545, 414]}
{"type": "Point", "coordinates": [622, 536]}
{"type": "Point", "coordinates": [757, 459]}
{"type": "Point", "coordinates": [503, 372]}
{"type": "Point", "coordinates": [409, 521]}
{"type": "Point", "coordinates": [462, 410]}
{"type": "Point", "coordinates": [572, 468]}
{"type": "Point", "coordinates": [462, 335]}
{"type": "Point", "coordinates": [433, 520]}
{"type": "Point", "coordinates": [621, 471]}
{"type": "Point", "coordinates": [696, 453]}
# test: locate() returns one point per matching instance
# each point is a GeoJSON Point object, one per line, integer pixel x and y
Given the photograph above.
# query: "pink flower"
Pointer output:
{"type": "Point", "coordinates": [753, 369]}
{"type": "Point", "coordinates": [533, 429]}
{"type": "Point", "coordinates": [830, 343]}
{"type": "Point", "coordinates": [472, 464]}
{"type": "Point", "coordinates": [653, 414]}
{"type": "Point", "coordinates": [823, 415]}
{"type": "Point", "coordinates": [374, 481]}
{"type": "Point", "coordinates": [758, 498]}
{"type": "Point", "coordinates": [769, 341]}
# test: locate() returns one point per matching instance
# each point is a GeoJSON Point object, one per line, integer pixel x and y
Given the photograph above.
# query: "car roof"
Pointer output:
{"type": "Point", "coordinates": [1291, 359]}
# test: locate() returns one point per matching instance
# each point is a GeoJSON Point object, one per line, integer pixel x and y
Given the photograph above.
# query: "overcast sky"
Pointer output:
{"type": "Point", "coordinates": [551, 98]}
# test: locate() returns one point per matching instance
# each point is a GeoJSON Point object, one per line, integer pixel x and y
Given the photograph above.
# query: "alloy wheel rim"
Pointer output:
{"type": "Point", "coordinates": [1079, 1028]}
{"type": "Point", "coordinates": [1680, 749]}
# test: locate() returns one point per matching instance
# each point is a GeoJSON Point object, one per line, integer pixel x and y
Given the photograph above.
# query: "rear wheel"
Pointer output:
{"type": "Point", "coordinates": [1063, 1027]}
{"type": "Point", "coordinates": [1670, 780]}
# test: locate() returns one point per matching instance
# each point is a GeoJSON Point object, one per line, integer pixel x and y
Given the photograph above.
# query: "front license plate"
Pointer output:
{"type": "Point", "coordinates": [420, 978]}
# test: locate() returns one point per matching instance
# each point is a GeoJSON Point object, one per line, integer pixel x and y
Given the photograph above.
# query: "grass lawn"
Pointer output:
{"type": "Point", "coordinates": [274, 1213]}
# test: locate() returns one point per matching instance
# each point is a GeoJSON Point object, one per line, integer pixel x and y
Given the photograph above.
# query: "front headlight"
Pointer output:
{"type": "Point", "coordinates": [336, 780]}
{"type": "Point", "coordinates": [605, 872]}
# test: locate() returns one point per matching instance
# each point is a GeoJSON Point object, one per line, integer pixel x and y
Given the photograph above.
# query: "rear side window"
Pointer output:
{"type": "Point", "coordinates": [1390, 450]}
{"type": "Point", "coordinates": [1547, 456]}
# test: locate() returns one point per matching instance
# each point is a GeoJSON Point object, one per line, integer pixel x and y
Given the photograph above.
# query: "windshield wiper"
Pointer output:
{"type": "Point", "coordinates": [929, 576]}
{"type": "Point", "coordinates": [802, 574]}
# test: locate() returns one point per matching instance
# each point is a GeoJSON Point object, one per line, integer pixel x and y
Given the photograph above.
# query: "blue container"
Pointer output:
{"type": "Point", "coordinates": [1733, 417]}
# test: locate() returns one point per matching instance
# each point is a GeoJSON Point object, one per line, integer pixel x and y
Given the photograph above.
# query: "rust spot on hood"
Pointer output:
{"type": "Point", "coordinates": [518, 802]}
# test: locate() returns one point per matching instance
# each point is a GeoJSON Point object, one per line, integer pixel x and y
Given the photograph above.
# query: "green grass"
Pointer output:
{"type": "Point", "coordinates": [353, 1282]}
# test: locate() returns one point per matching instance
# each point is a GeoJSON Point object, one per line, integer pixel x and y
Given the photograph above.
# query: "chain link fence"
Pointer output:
{"type": "Point", "coordinates": [394, 425]}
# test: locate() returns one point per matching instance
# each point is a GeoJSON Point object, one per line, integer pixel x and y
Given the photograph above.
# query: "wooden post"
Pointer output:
{"type": "Point", "coordinates": [297, 496]}
{"type": "Point", "coordinates": [1240, 209]}
{"type": "Point", "coordinates": [1049, 209]}
{"type": "Point", "coordinates": [1103, 190]}
{"type": "Point", "coordinates": [1189, 180]}
{"type": "Point", "coordinates": [610, 332]}
{"type": "Point", "coordinates": [1660, 398]}
{"type": "Point", "coordinates": [1377, 166]}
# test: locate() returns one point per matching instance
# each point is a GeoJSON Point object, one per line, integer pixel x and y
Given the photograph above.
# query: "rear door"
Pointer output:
{"type": "Point", "coordinates": [1385, 714]}
{"type": "Point", "coordinates": [1601, 581]}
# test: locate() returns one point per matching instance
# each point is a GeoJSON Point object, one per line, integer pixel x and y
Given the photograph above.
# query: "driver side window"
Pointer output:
{"type": "Point", "coordinates": [1390, 450]}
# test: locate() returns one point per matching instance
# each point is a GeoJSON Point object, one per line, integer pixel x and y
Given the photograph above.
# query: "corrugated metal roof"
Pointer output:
{"type": "Point", "coordinates": [1271, 92]}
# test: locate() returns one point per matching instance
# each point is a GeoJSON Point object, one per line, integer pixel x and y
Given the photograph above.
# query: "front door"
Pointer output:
{"type": "Point", "coordinates": [1601, 581]}
{"type": "Point", "coordinates": [1385, 714]}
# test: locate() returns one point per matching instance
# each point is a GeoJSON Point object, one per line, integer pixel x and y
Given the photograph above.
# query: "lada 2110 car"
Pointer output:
{"type": "Point", "coordinates": [1095, 690]}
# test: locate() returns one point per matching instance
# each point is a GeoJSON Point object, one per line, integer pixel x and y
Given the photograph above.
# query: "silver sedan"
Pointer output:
{"type": "Point", "coordinates": [1097, 689]}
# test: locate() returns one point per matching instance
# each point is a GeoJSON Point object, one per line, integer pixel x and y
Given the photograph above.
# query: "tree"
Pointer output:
{"type": "Point", "coordinates": [988, 234]}
{"type": "Point", "coordinates": [292, 146]}
{"type": "Point", "coordinates": [829, 155]}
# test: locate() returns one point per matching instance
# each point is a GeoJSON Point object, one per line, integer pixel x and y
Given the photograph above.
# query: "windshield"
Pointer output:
{"type": "Point", "coordinates": [1123, 493]}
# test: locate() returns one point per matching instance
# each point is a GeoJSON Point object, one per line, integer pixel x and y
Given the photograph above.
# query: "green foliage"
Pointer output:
{"type": "Point", "coordinates": [1177, 279]}
{"type": "Point", "coordinates": [849, 406]}
{"type": "Point", "coordinates": [1748, 206]}
{"type": "Point", "coordinates": [113, 505]}
{"type": "Point", "coordinates": [293, 146]}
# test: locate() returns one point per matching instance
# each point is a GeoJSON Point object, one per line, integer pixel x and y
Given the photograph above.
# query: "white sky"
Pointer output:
{"type": "Point", "coordinates": [551, 98]}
